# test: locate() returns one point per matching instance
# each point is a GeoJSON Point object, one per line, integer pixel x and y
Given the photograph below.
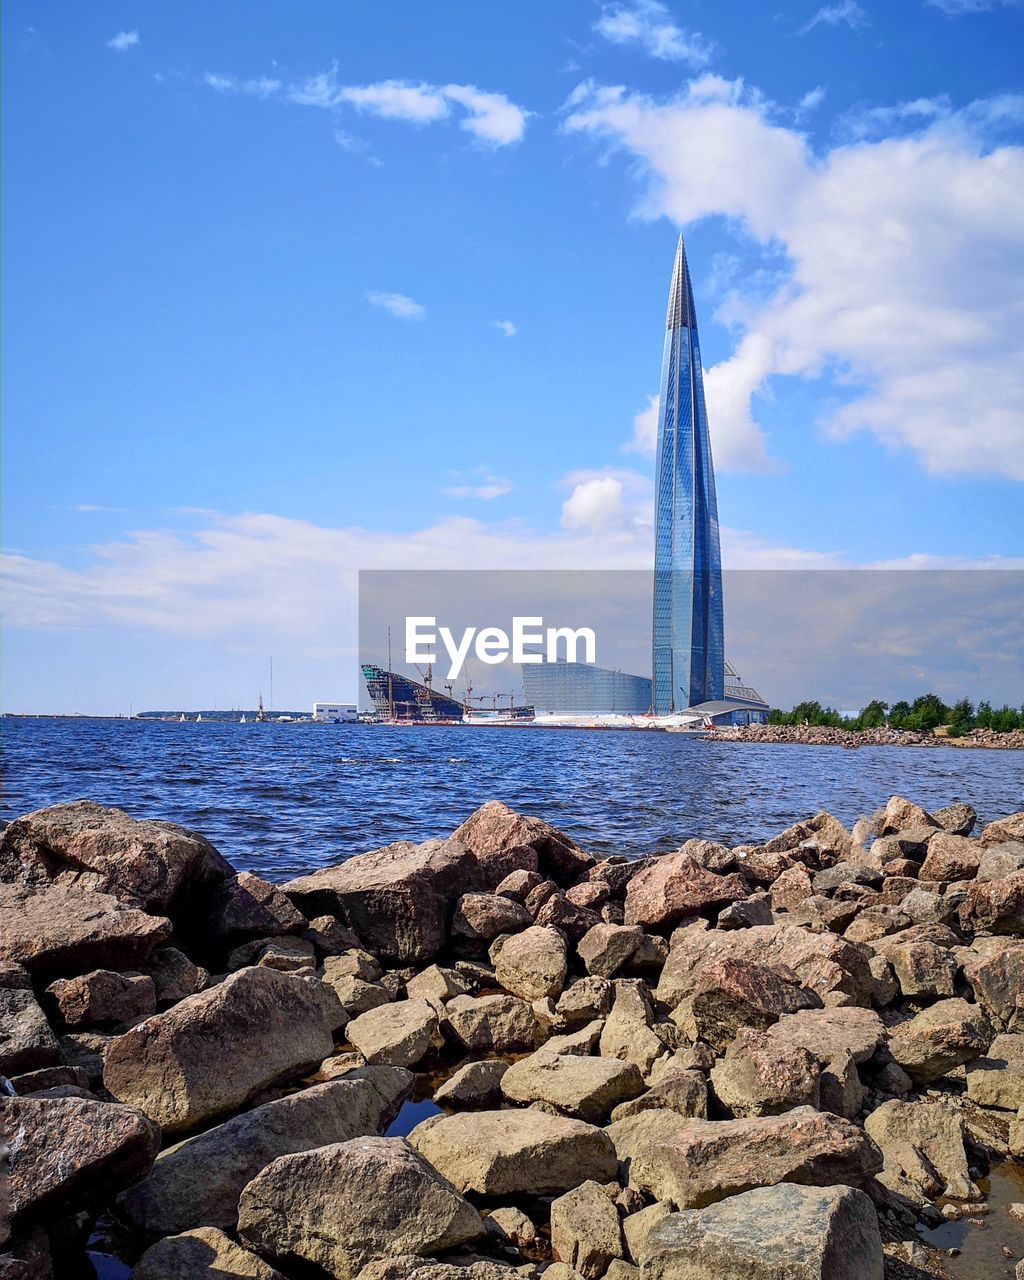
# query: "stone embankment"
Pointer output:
{"type": "Point", "coordinates": [822, 735]}
{"type": "Point", "coordinates": [774, 1060]}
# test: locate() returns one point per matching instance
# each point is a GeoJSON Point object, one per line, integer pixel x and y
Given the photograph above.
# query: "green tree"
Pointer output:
{"type": "Point", "coordinates": [984, 716]}
{"type": "Point", "coordinates": [899, 713]}
{"type": "Point", "coordinates": [927, 713]}
{"type": "Point", "coordinates": [961, 717]}
{"type": "Point", "coordinates": [872, 716]}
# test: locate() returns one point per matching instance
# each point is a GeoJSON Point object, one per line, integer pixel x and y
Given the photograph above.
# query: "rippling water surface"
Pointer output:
{"type": "Point", "coordinates": [283, 799]}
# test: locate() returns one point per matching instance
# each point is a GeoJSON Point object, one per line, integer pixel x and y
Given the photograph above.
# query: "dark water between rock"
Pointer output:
{"type": "Point", "coordinates": [982, 1240]}
{"type": "Point", "coordinates": [284, 799]}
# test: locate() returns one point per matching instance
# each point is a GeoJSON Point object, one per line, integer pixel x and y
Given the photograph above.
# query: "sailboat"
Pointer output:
{"type": "Point", "coordinates": [182, 718]}
{"type": "Point", "coordinates": [199, 717]}
{"type": "Point", "coordinates": [261, 715]}
{"type": "Point", "coordinates": [243, 720]}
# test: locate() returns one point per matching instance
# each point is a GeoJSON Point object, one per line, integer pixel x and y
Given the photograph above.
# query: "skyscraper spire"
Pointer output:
{"type": "Point", "coordinates": [681, 313]}
{"type": "Point", "coordinates": [689, 646]}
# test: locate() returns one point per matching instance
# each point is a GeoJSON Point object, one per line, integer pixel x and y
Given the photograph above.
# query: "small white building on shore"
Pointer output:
{"type": "Point", "coordinates": [335, 712]}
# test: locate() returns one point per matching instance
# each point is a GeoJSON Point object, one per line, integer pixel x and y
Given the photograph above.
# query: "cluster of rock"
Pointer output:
{"type": "Point", "coordinates": [758, 1061]}
{"type": "Point", "coordinates": [822, 735]}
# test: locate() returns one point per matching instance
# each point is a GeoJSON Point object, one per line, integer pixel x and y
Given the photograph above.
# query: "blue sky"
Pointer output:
{"type": "Point", "coordinates": [291, 291]}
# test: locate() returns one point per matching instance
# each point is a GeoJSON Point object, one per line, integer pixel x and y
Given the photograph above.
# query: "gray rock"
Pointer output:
{"type": "Point", "coordinates": [26, 1041]}
{"type": "Point", "coordinates": [760, 1076]}
{"type": "Point", "coordinates": [174, 975]}
{"type": "Point", "coordinates": [398, 899]}
{"type": "Point", "coordinates": [584, 1087]}
{"type": "Point", "coordinates": [627, 1031]}
{"type": "Point", "coordinates": [203, 1254]}
{"type": "Point", "coordinates": [583, 1041]}
{"type": "Point", "coordinates": [481, 917]}
{"type": "Point", "coordinates": [475, 1084]}
{"type": "Point", "coordinates": [997, 1079]}
{"type": "Point", "coordinates": [246, 906]}
{"type": "Point", "coordinates": [342, 1206]}
{"type": "Point", "coordinates": [503, 1153]}
{"type": "Point", "coordinates": [923, 1147]}
{"type": "Point", "coordinates": [585, 1230]}
{"type": "Point", "coordinates": [605, 948]}
{"type": "Point", "coordinates": [939, 1038]}
{"type": "Point", "coordinates": [198, 1182]}
{"type": "Point", "coordinates": [682, 1091]}
{"type": "Point", "coordinates": [394, 1035]}
{"type": "Point", "coordinates": [502, 1023]}
{"type": "Point", "coordinates": [785, 1232]}
{"type": "Point", "coordinates": [531, 964]}
{"type": "Point", "coordinates": [584, 1001]}
{"type": "Point", "coordinates": [212, 1052]}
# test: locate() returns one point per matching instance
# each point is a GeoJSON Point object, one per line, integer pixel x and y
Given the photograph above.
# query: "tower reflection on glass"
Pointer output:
{"type": "Point", "coordinates": [689, 646]}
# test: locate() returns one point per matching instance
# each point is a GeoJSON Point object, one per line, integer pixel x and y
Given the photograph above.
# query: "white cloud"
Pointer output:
{"type": "Point", "coordinates": [400, 306]}
{"type": "Point", "coordinates": [811, 100]}
{"type": "Point", "coordinates": [846, 12]}
{"type": "Point", "coordinates": [648, 24]}
{"type": "Point", "coordinates": [485, 486]}
{"type": "Point", "coordinates": [123, 41]}
{"type": "Point", "coordinates": [957, 8]}
{"type": "Point", "coordinates": [507, 328]}
{"type": "Point", "coordinates": [609, 502]}
{"type": "Point", "coordinates": [645, 429]}
{"type": "Point", "coordinates": [262, 87]}
{"type": "Point", "coordinates": [904, 275]}
{"type": "Point", "coordinates": [492, 118]}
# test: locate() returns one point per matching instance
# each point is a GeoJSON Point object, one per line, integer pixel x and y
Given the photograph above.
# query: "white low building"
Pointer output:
{"type": "Point", "coordinates": [335, 712]}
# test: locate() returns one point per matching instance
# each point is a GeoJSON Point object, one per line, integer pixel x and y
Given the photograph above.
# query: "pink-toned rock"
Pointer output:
{"type": "Point", "coordinates": [480, 917]}
{"type": "Point", "coordinates": [900, 814]}
{"type": "Point", "coordinates": [676, 886]}
{"type": "Point", "coordinates": [506, 841]}
{"type": "Point", "coordinates": [731, 994]}
{"type": "Point", "coordinates": [246, 907]}
{"type": "Point", "coordinates": [822, 835]}
{"type": "Point", "coordinates": [950, 857]}
{"type": "Point", "coordinates": [1009, 828]}
{"type": "Point", "coordinates": [998, 981]}
{"type": "Point", "coordinates": [704, 1161]}
{"type": "Point", "coordinates": [791, 888]}
{"type": "Point", "coordinates": [761, 1077]}
{"type": "Point", "coordinates": [156, 865]}
{"type": "Point", "coordinates": [837, 971]}
{"type": "Point", "coordinates": [939, 1038]}
{"type": "Point", "coordinates": [64, 929]}
{"type": "Point", "coordinates": [103, 997]}
{"type": "Point", "coordinates": [994, 906]}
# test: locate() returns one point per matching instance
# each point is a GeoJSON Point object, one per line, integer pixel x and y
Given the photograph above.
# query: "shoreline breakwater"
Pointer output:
{"type": "Point", "coordinates": [785, 1058]}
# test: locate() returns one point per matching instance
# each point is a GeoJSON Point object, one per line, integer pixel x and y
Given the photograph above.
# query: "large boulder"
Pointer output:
{"type": "Point", "coordinates": [26, 1040]}
{"type": "Point", "coordinates": [785, 1232]}
{"type": "Point", "coordinates": [480, 917]}
{"type": "Point", "coordinates": [731, 994]}
{"type": "Point", "coordinates": [675, 886]}
{"type": "Point", "coordinates": [505, 841]}
{"type": "Point", "coordinates": [994, 906]}
{"type": "Point", "coordinates": [923, 1147]}
{"type": "Point", "coordinates": [198, 1182]}
{"type": "Point", "coordinates": [61, 928]}
{"type": "Point", "coordinates": [1004, 829]}
{"type": "Point", "coordinates": [708, 1160]}
{"type": "Point", "coordinates": [71, 1151]}
{"type": "Point", "coordinates": [531, 964]}
{"type": "Point", "coordinates": [950, 857]}
{"type": "Point", "coordinates": [584, 1087]}
{"type": "Point", "coordinates": [939, 1038]}
{"type": "Point", "coordinates": [503, 1153]}
{"type": "Point", "coordinates": [397, 899]}
{"type": "Point", "coordinates": [394, 1035]}
{"type": "Point", "coordinates": [760, 1077]}
{"type": "Point", "coordinates": [998, 981]}
{"type": "Point", "coordinates": [156, 865]}
{"type": "Point", "coordinates": [212, 1052]}
{"type": "Point", "coordinates": [605, 948]}
{"type": "Point", "coordinates": [203, 1254]}
{"type": "Point", "coordinates": [503, 1024]}
{"type": "Point", "coordinates": [341, 1206]}
{"type": "Point", "coordinates": [838, 971]}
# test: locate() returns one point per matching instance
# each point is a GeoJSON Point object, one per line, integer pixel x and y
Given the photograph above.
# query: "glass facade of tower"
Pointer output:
{"type": "Point", "coordinates": [689, 646]}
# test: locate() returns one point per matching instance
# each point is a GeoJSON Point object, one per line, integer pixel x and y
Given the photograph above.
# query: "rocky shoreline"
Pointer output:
{"type": "Point", "coordinates": [767, 1061]}
{"type": "Point", "coordinates": [820, 735]}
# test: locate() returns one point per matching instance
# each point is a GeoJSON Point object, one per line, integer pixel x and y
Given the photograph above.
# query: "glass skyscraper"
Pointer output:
{"type": "Point", "coordinates": [689, 647]}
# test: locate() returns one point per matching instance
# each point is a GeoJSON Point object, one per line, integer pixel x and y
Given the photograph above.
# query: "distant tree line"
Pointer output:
{"type": "Point", "coordinates": [923, 714]}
